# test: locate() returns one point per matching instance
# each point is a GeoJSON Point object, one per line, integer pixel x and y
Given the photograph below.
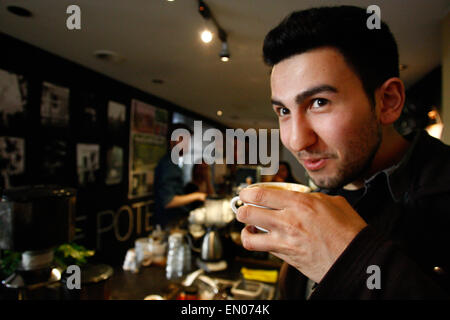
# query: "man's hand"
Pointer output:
{"type": "Point", "coordinates": [307, 230]}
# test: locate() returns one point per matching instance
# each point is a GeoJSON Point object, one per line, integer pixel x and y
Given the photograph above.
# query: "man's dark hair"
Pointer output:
{"type": "Point", "coordinates": [371, 53]}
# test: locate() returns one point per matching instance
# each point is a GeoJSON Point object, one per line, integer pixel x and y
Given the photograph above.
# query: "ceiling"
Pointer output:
{"type": "Point", "coordinates": [159, 39]}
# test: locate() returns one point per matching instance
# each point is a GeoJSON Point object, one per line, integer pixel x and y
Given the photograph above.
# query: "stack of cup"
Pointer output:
{"type": "Point", "coordinates": [143, 252]}
{"type": "Point", "coordinates": [129, 263]}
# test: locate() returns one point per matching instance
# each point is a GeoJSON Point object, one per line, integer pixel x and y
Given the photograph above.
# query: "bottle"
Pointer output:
{"type": "Point", "coordinates": [187, 258]}
{"type": "Point", "coordinates": [172, 256]}
{"type": "Point", "coordinates": [176, 257]}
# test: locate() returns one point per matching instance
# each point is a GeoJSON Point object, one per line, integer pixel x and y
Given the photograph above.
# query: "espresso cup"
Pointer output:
{"type": "Point", "coordinates": [270, 185]}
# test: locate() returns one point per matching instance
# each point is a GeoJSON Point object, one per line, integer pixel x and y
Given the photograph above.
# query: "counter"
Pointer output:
{"type": "Point", "coordinates": [151, 280]}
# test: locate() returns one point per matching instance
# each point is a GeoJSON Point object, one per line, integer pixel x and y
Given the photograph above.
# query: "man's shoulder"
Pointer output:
{"type": "Point", "coordinates": [166, 169]}
{"type": "Point", "coordinates": [433, 152]}
{"type": "Point", "coordinates": [165, 162]}
{"type": "Point", "coordinates": [431, 163]}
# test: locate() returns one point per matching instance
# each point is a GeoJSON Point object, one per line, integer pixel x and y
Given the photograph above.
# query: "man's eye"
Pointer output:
{"type": "Point", "coordinates": [319, 102]}
{"type": "Point", "coordinates": [283, 111]}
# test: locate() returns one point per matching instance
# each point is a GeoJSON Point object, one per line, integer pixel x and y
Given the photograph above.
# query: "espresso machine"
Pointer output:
{"type": "Point", "coordinates": [213, 216]}
{"type": "Point", "coordinates": [33, 221]}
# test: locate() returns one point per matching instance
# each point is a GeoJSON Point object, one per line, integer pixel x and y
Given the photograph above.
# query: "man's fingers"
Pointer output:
{"type": "Point", "coordinates": [256, 241]}
{"type": "Point", "coordinates": [271, 198]}
{"type": "Point", "coordinates": [264, 218]}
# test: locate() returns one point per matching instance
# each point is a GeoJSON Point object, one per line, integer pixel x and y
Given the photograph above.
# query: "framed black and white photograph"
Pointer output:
{"type": "Point", "coordinates": [88, 114]}
{"type": "Point", "coordinates": [116, 117]}
{"type": "Point", "coordinates": [114, 165]}
{"type": "Point", "coordinates": [54, 105]}
{"type": "Point", "coordinates": [13, 98]}
{"type": "Point", "coordinates": [54, 160]}
{"type": "Point", "coordinates": [88, 163]}
{"type": "Point", "coordinates": [12, 158]}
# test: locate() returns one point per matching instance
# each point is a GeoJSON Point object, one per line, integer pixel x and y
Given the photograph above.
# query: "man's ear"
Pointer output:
{"type": "Point", "coordinates": [391, 96]}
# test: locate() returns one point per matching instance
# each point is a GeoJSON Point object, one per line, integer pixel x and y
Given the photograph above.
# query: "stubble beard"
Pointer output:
{"type": "Point", "coordinates": [357, 160]}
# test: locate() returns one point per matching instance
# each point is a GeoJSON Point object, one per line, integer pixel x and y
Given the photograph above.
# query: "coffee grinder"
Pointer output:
{"type": "Point", "coordinates": [34, 220]}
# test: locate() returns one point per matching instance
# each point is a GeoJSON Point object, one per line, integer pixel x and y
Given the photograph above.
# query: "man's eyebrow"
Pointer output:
{"type": "Point", "coordinates": [277, 103]}
{"type": "Point", "coordinates": [313, 91]}
{"type": "Point", "coordinates": [308, 93]}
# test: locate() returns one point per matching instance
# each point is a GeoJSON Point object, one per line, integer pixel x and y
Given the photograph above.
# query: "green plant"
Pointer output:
{"type": "Point", "coordinates": [9, 262]}
{"type": "Point", "coordinates": [71, 253]}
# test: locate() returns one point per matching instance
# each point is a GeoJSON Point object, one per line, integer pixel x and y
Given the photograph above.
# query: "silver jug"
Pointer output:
{"type": "Point", "coordinates": [211, 249]}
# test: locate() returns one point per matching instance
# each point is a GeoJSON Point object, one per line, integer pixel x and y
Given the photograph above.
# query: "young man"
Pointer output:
{"type": "Point", "coordinates": [171, 202]}
{"type": "Point", "coordinates": [378, 228]}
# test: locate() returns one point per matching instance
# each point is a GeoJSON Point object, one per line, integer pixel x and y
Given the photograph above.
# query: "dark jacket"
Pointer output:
{"type": "Point", "coordinates": [168, 182]}
{"type": "Point", "coordinates": [407, 209]}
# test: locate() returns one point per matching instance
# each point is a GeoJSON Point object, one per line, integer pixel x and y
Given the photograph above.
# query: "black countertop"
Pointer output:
{"type": "Point", "coordinates": [151, 280]}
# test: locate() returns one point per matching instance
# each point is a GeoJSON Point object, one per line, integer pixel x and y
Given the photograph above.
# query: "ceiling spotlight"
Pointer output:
{"type": "Point", "coordinates": [224, 53]}
{"type": "Point", "coordinates": [219, 113]}
{"type": "Point", "coordinates": [206, 36]}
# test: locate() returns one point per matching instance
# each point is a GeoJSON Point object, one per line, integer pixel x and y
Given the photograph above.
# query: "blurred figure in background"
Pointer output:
{"type": "Point", "coordinates": [267, 178]}
{"type": "Point", "coordinates": [201, 182]}
{"type": "Point", "coordinates": [284, 173]}
{"type": "Point", "coordinates": [171, 200]}
{"type": "Point", "coordinates": [201, 179]}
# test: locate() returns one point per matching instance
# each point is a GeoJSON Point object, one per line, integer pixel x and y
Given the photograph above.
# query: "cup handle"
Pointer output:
{"type": "Point", "coordinates": [233, 204]}
{"type": "Point", "coordinates": [233, 207]}
{"type": "Point", "coordinates": [262, 229]}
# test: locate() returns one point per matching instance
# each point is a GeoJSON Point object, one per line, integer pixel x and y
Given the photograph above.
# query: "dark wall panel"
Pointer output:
{"type": "Point", "coordinates": [107, 220]}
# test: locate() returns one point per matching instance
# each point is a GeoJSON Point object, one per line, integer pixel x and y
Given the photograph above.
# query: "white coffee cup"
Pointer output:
{"type": "Point", "coordinates": [270, 185]}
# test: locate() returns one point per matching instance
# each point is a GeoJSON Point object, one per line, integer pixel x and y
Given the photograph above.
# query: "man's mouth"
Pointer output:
{"type": "Point", "coordinates": [315, 164]}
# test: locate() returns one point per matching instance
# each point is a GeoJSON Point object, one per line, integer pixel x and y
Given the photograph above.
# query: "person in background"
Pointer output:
{"type": "Point", "coordinates": [171, 200]}
{"type": "Point", "coordinates": [201, 182]}
{"type": "Point", "coordinates": [284, 173]}
{"type": "Point", "coordinates": [267, 178]}
{"type": "Point", "coordinates": [201, 179]}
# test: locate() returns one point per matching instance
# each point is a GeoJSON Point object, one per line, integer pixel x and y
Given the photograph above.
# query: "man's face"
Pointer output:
{"type": "Point", "coordinates": [326, 120]}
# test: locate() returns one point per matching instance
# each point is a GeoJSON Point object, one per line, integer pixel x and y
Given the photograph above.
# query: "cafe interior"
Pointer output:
{"type": "Point", "coordinates": [89, 92]}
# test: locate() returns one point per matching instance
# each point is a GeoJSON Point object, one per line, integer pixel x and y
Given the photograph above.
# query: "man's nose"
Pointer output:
{"type": "Point", "coordinates": [302, 135]}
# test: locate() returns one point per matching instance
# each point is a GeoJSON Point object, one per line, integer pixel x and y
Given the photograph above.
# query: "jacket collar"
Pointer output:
{"type": "Point", "coordinates": [399, 176]}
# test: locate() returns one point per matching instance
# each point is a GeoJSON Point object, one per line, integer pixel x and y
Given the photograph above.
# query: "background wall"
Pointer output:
{"type": "Point", "coordinates": [106, 219]}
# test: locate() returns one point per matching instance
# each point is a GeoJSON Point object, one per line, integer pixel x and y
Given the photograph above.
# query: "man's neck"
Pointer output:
{"type": "Point", "coordinates": [392, 149]}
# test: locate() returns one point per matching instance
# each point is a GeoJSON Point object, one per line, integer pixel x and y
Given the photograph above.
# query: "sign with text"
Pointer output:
{"type": "Point", "coordinates": [147, 145]}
